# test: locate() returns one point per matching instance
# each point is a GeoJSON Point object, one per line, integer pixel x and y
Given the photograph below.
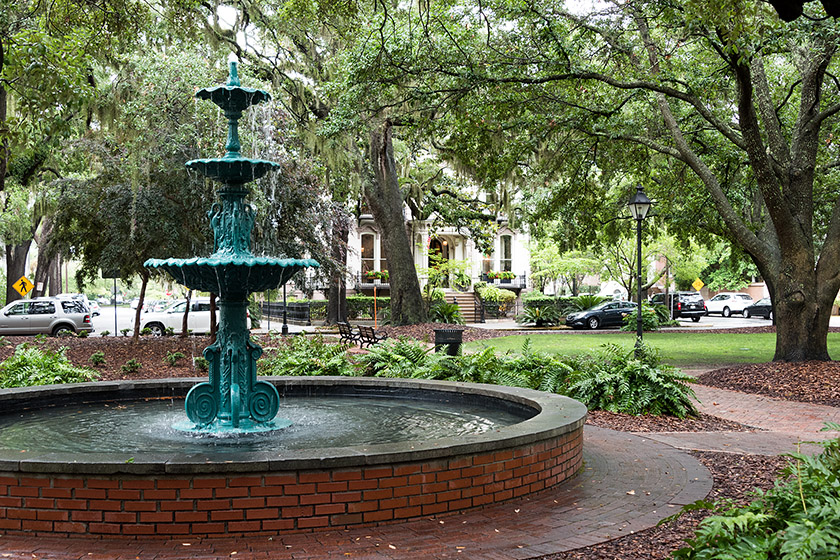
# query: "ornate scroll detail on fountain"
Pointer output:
{"type": "Point", "coordinates": [232, 400]}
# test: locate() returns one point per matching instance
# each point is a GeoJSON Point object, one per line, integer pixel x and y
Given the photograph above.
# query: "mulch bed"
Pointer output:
{"type": "Point", "coordinates": [628, 423]}
{"type": "Point", "coordinates": [810, 382]}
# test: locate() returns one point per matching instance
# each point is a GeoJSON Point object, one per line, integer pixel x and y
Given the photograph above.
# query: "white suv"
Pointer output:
{"type": "Point", "coordinates": [173, 317]}
{"type": "Point", "coordinates": [727, 303]}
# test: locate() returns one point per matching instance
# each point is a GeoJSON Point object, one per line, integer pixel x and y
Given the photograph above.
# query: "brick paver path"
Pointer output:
{"type": "Point", "coordinates": [782, 424]}
{"type": "Point", "coordinates": [628, 484]}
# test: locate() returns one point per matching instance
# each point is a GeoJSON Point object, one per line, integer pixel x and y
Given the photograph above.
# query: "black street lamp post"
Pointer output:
{"type": "Point", "coordinates": [639, 205]}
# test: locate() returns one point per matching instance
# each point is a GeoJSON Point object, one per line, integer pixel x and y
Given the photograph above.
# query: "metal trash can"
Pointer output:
{"type": "Point", "coordinates": [451, 338]}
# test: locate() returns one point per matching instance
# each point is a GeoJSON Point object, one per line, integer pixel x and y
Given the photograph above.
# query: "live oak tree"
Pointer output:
{"type": "Point", "coordinates": [727, 115]}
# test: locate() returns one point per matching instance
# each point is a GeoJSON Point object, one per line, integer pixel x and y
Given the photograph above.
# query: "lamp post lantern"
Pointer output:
{"type": "Point", "coordinates": [639, 205]}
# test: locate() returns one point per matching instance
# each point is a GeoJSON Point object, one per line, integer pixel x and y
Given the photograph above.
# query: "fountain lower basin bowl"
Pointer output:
{"type": "Point", "coordinates": [279, 487]}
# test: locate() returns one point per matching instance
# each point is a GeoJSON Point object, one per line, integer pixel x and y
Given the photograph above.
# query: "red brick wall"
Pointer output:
{"type": "Point", "coordinates": [272, 503]}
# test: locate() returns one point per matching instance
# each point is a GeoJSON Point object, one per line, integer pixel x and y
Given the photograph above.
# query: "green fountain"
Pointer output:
{"type": "Point", "coordinates": [232, 401]}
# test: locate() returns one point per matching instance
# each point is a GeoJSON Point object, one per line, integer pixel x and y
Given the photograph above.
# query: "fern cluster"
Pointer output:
{"type": "Point", "coordinates": [31, 365]}
{"type": "Point", "coordinates": [301, 355]}
{"type": "Point", "coordinates": [616, 381]}
{"type": "Point", "coordinates": [798, 519]}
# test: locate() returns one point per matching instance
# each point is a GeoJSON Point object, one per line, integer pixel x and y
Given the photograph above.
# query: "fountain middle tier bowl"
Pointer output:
{"type": "Point", "coordinates": [224, 273]}
{"type": "Point", "coordinates": [500, 443]}
{"type": "Point", "coordinates": [235, 170]}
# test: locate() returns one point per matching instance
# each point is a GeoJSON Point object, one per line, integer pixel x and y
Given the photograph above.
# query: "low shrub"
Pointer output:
{"type": "Point", "coordinates": [83, 334]}
{"type": "Point", "coordinates": [798, 519]}
{"type": "Point", "coordinates": [172, 358]}
{"type": "Point", "coordinates": [650, 320]}
{"type": "Point", "coordinates": [201, 364]}
{"type": "Point", "coordinates": [97, 358]}
{"type": "Point", "coordinates": [131, 366]}
{"type": "Point", "coordinates": [539, 316]}
{"type": "Point", "coordinates": [449, 313]}
{"type": "Point", "coordinates": [125, 332]}
{"type": "Point", "coordinates": [104, 333]}
{"type": "Point", "coordinates": [31, 365]}
{"type": "Point", "coordinates": [585, 301]}
{"type": "Point", "coordinates": [301, 355]}
{"type": "Point", "coordinates": [616, 381]}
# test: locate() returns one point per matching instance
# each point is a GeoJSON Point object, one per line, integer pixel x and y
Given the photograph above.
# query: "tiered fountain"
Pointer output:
{"type": "Point", "coordinates": [233, 399]}
{"type": "Point", "coordinates": [102, 459]}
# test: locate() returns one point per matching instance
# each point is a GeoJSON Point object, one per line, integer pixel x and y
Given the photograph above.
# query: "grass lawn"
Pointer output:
{"type": "Point", "coordinates": [678, 349]}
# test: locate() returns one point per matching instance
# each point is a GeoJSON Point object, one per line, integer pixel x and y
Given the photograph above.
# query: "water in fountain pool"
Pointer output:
{"type": "Point", "coordinates": [316, 422]}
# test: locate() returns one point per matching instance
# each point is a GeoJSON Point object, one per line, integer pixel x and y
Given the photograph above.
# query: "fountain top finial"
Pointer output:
{"type": "Point", "coordinates": [233, 76]}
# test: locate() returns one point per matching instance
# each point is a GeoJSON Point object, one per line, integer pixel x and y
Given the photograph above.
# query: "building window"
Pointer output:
{"type": "Point", "coordinates": [383, 262]}
{"type": "Point", "coordinates": [506, 260]}
{"type": "Point", "coordinates": [368, 258]}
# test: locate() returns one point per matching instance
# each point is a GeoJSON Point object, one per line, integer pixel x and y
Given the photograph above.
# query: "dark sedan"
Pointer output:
{"type": "Point", "coordinates": [609, 313]}
{"type": "Point", "coordinates": [761, 308]}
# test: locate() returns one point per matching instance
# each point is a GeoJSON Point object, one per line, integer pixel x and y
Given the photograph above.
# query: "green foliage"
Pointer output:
{"type": "Point", "coordinates": [361, 307]}
{"type": "Point", "coordinates": [168, 331]}
{"type": "Point", "coordinates": [83, 334]}
{"type": "Point", "coordinates": [131, 366]}
{"type": "Point", "coordinates": [146, 331]}
{"type": "Point", "coordinates": [125, 332]}
{"type": "Point", "coordinates": [31, 365]}
{"type": "Point", "coordinates": [302, 355]}
{"type": "Point", "coordinates": [104, 333]}
{"type": "Point", "coordinates": [540, 316]}
{"type": "Point", "coordinates": [97, 358]}
{"type": "Point", "coordinates": [614, 380]}
{"type": "Point", "coordinates": [449, 313]}
{"type": "Point", "coordinates": [798, 519]}
{"type": "Point", "coordinates": [173, 357]}
{"type": "Point", "coordinates": [650, 319]}
{"type": "Point", "coordinates": [201, 364]}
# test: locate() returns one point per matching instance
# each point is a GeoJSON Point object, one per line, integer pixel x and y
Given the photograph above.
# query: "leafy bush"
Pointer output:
{"type": "Point", "coordinates": [173, 357]}
{"type": "Point", "coordinates": [301, 355]}
{"type": "Point", "coordinates": [131, 366]}
{"type": "Point", "coordinates": [798, 519]}
{"type": "Point", "coordinates": [97, 358]}
{"type": "Point", "coordinates": [650, 320]}
{"type": "Point", "coordinates": [201, 364]}
{"type": "Point", "coordinates": [146, 331]}
{"type": "Point", "coordinates": [540, 315]}
{"type": "Point", "coordinates": [449, 313]}
{"type": "Point", "coordinates": [125, 332]}
{"type": "Point", "coordinates": [83, 334]}
{"type": "Point", "coordinates": [104, 333]}
{"type": "Point", "coordinates": [31, 365]}
{"type": "Point", "coordinates": [614, 380]}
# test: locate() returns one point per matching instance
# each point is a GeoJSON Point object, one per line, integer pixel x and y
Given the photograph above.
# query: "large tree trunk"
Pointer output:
{"type": "Point", "coordinates": [337, 297]}
{"type": "Point", "coordinates": [15, 268]}
{"type": "Point", "coordinates": [42, 269]}
{"type": "Point", "coordinates": [383, 195]}
{"type": "Point", "coordinates": [54, 277]}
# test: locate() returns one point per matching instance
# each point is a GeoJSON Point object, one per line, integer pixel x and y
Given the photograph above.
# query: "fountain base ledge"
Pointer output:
{"type": "Point", "coordinates": [167, 495]}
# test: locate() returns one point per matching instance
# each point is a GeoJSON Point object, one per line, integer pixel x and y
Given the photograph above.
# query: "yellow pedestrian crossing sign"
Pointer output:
{"type": "Point", "coordinates": [697, 284]}
{"type": "Point", "coordinates": [23, 285]}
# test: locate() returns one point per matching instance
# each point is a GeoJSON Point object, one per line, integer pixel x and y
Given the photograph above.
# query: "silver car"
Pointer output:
{"type": "Point", "coordinates": [44, 316]}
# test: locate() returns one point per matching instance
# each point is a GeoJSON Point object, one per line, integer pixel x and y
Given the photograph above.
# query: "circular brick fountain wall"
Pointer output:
{"type": "Point", "coordinates": [296, 491]}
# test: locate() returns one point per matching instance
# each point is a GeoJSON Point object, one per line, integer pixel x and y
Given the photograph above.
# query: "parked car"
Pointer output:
{"type": "Point", "coordinates": [761, 308]}
{"type": "Point", "coordinates": [609, 313]}
{"type": "Point", "coordinates": [45, 316]}
{"type": "Point", "coordinates": [82, 298]}
{"type": "Point", "coordinates": [95, 309]}
{"type": "Point", "coordinates": [689, 305]}
{"type": "Point", "coordinates": [173, 317]}
{"type": "Point", "coordinates": [727, 303]}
